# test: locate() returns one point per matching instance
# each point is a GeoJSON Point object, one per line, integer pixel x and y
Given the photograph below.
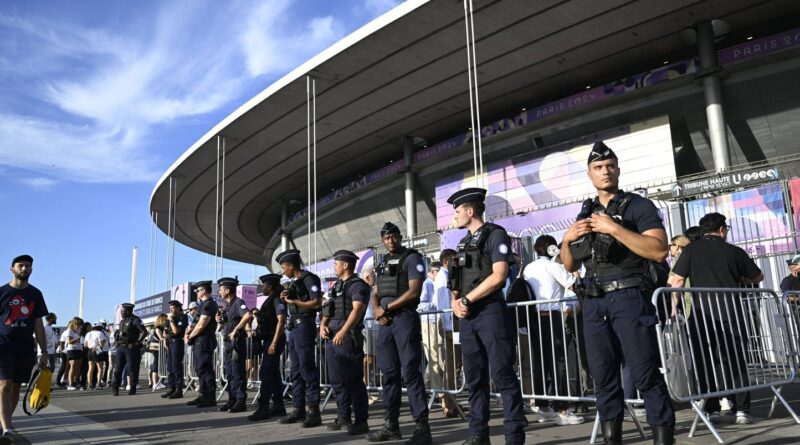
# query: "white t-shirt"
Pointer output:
{"type": "Point", "coordinates": [68, 335]}
{"type": "Point", "coordinates": [94, 340]}
{"type": "Point", "coordinates": [548, 280]}
{"type": "Point", "coordinates": [50, 339]}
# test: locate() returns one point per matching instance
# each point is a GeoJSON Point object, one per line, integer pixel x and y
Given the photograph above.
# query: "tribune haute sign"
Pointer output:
{"type": "Point", "coordinates": [726, 181]}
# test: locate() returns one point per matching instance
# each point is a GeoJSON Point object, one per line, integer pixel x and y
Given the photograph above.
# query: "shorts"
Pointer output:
{"type": "Point", "coordinates": [153, 361]}
{"type": "Point", "coordinates": [17, 366]}
{"type": "Point", "coordinates": [75, 355]}
{"type": "Point", "coordinates": [101, 357]}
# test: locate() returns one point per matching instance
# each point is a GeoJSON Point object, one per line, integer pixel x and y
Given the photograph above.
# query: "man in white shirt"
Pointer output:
{"type": "Point", "coordinates": [430, 334]}
{"type": "Point", "coordinates": [549, 280]}
{"type": "Point", "coordinates": [449, 355]}
{"type": "Point", "coordinates": [52, 340]}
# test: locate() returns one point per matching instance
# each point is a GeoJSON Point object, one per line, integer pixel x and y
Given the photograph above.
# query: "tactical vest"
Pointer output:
{"type": "Point", "coordinates": [303, 295]}
{"type": "Point", "coordinates": [211, 328]}
{"type": "Point", "coordinates": [267, 319]}
{"type": "Point", "coordinates": [341, 303]}
{"type": "Point", "coordinates": [391, 276]}
{"type": "Point", "coordinates": [183, 320]}
{"type": "Point", "coordinates": [231, 315]}
{"type": "Point", "coordinates": [472, 264]}
{"type": "Point", "coordinates": [128, 333]}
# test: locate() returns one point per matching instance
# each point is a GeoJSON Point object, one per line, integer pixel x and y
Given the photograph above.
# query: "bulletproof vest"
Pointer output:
{"type": "Point", "coordinates": [391, 276]}
{"type": "Point", "coordinates": [341, 303]}
{"type": "Point", "coordinates": [610, 258]}
{"type": "Point", "coordinates": [472, 263]}
{"type": "Point", "coordinates": [267, 319]}
{"type": "Point", "coordinates": [211, 328]}
{"type": "Point", "coordinates": [231, 315]}
{"type": "Point", "coordinates": [128, 332]}
{"type": "Point", "coordinates": [183, 320]}
{"type": "Point", "coordinates": [299, 289]}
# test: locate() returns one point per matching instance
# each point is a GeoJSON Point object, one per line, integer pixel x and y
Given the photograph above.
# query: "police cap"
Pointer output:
{"type": "Point", "coordinates": [291, 256]}
{"type": "Point", "coordinates": [272, 278]}
{"type": "Point", "coordinates": [345, 255]}
{"type": "Point", "coordinates": [472, 194]}
{"type": "Point", "coordinates": [389, 228]}
{"type": "Point", "coordinates": [795, 260]}
{"type": "Point", "coordinates": [204, 284]}
{"type": "Point", "coordinates": [128, 305]}
{"type": "Point", "coordinates": [600, 152]}
{"type": "Point", "coordinates": [21, 259]}
{"type": "Point", "coordinates": [228, 282]}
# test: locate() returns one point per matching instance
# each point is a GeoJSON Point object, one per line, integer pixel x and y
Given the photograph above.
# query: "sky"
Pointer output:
{"type": "Point", "coordinates": [99, 98]}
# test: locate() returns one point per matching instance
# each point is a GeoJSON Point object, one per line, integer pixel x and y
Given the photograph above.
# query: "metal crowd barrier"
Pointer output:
{"type": "Point", "coordinates": [161, 357]}
{"type": "Point", "coordinates": [723, 342]}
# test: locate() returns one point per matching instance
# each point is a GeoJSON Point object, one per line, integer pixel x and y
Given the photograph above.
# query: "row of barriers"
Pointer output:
{"type": "Point", "coordinates": [713, 343]}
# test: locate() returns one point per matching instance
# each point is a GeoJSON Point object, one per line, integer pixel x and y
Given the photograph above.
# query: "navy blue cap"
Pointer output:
{"type": "Point", "coordinates": [128, 305]}
{"type": "Point", "coordinates": [601, 152]}
{"type": "Point", "coordinates": [271, 278]}
{"type": "Point", "coordinates": [204, 284]}
{"type": "Point", "coordinates": [345, 255]}
{"type": "Point", "coordinates": [22, 258]}
{"type": "Point", "coordinates": [228, 282]}
{"type": "Point", "coordinates": [290, 256]}
{"type": "Point", "coordinates": [389, 228]}
{"type": "Point", "coordinates": [472, 194]}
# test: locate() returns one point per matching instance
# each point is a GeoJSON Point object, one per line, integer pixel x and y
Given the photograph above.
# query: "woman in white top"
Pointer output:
{"type": "Point", "coordinates": [95, 342]}
{"type": "Point", "coordinates": [74, 348]}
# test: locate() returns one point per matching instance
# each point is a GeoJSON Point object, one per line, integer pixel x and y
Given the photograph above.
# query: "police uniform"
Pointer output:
{"type": "Point", "coordinates": [234, 353]}
{"type": "Point", "coordinates": [346, 361]}
{"type": "Point", "coordinates": [400, 342]}
{"type": "Point", "coordinates": [129, 352]}
{"type": "Point", "coordinates": [270, 373]}
{"type": "Point", "coordinates": [488, 334]}
{"type": "Point", "coordinates": [619, 319]}
{"type": "Point", "coordinates": [175, 352]}
{"type": "Point", "coordinates": [203, 346]}
{"type": "Point", "coordinates": [304, 373]}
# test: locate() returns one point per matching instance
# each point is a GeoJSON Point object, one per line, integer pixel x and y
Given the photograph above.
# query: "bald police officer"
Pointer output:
{"type": "Point", "coordinates": [271, 323]}
{"type": "Point", "coordinates": [399, 285]}
{"type": "Point", "coordinates": [234, 320]}
{"type": "Point", "coordinates": [302, 298]}
{"type": "Point", "coordinates": [128, 338]}
{"type": "Point", "coordinates": [203, 340]}
{"type": "Point", "coordinates": [176, 329]}
{"type": "Point", "coordinates": [617, 236]}
{"type": "Point", "coordinates": [341, 326]}
{"type": "Point", "coordinates": [487, 329]}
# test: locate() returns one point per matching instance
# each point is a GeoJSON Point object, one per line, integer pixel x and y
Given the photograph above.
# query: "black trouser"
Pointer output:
{"type": "Point", "coordinates": [175, 350]}
{"type": "Point", "coordinates": [63, 368]}
{"type": "Point", "coordinates": [127, 357]}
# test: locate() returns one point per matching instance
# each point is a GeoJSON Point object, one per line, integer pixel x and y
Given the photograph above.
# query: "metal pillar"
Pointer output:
{"type": "Point", "coordinates": [411, 201]}
{"type": "Point", "coordinates": [712, 89]}
{"type": "Point", "coordinates": [133, 273]}
{"type": "Point", "coordinates": [284, 223]}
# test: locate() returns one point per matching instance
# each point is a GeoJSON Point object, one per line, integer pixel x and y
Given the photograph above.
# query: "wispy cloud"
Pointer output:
{"type": "Point", "coordinates": [38, 182]}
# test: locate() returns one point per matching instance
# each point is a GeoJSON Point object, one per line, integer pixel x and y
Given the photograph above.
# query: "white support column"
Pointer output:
{"type": "Point", "coordinates": [411, 201]}
{"type": "Point", "coordinates": [133, 273]}
{"type": "Point", "coordinates": [80, 298]}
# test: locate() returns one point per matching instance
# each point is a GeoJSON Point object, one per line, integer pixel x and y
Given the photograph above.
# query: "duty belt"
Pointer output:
{"type": "Point", "coordinates": [626, 283]}
{"type": "Point", "coordinates": [300, 320]}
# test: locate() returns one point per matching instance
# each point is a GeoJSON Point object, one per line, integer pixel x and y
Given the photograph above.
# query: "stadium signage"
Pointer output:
{"type": "Point", "coordinates": [153, 305]}
{"type": "Point", "coordinates": [727, 181]}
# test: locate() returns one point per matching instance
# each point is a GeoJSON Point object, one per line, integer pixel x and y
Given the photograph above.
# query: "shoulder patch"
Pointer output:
{"type": "Point", "coordinates": [502, 248]}
{"type": "Point", "coordinates": [314, 288]}
{"type": "Point", "coordinates": [420, 268]}
{"type": "Point", "coordinates": [244, 306]}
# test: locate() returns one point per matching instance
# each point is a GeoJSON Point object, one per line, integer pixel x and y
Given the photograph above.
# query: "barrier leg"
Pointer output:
{"type": "Point", "coordinates": [430, 401]}
{"type": "Point", "coordinates": [595, 429]}
{"type": "Point", "coordinates": [778, 395]}
{"type": "Point", "coordinates": [635, 420]}
{"type": "Point", "coordinates": [222, 391]}
{"type": "Point", "coordinates": [257, 396]}
{"type": "Point", "coordinates": [774, 401]}
{"type": "Point", "coordinates": [327, 398]}
{"type": "Point", "coordinates": [698, 408]}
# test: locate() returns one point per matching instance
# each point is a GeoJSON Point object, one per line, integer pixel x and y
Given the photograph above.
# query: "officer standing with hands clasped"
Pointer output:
{"type": "Point", "coordinates": [342, 324]}
{"type": "Point", "coordinates": [487, 330]}
{"type": "Point", "coordinates": [203, 340]}
{"type": "Point", "coordinates": [128, 338]}
{"type": "Point", "coordinates": [620, 238]}
{"type": "Point", "coordinates": [271, 322]}
{"type": "Point", "coordinates": [176, 329]}
{"type": "Point", "coordinates": [399, 284]}
{"type": "Point", "coordinates": [234, 320]}
{"type": "Point", "coordinates": [302, 298]}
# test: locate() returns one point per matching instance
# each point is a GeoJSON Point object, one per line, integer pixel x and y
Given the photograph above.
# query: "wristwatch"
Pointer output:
{"type": "Point", "coordinates": [465, 301]}
{"type": "Point", "coordinates": [385, 307]}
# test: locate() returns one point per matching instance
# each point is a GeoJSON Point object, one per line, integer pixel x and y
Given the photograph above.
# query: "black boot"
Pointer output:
{"type": "Point", "coordinates": [478, 439]}
{"type": "Point", "coordinates": [115, 390]}
{"type": "Point", "coordinates": [297, 415]}
{"type": "Point", "coordinates": [168, 393]}
{"type": "Point", "coordinates": [238, 407]}
{"type": "Point", "coordinates": [389, 431]}
{"type": "Point", "coordinates": [261, 413]}
{"type": "Point", "coordinates": [313, 418]}
{"type": "Point", "coordinates": [663, 435]}
{"type": "Point", "coordinates": [195, 401]}
{"type": "Point", "coordinates": [227, 405]}
{"type": "Point", "coordinates": [132, 391]}
{"type": "Point", "coordinates": [178, 394]}
{"type": "Point", "coordinates": [612, 432]}
{"type": "Point", "coordinates": [207, 401]}
{"type": "Point", "coordinates": [358, 428]}
{"type": "Point", "coordinates": [422, 433]}
{"type": "Point", "coordinates": [277, 410]}
{"type": "Point", "coordinates": [339, 423]}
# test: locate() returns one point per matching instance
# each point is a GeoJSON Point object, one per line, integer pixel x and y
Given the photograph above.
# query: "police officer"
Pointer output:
{"type": "Point", "coordinates": [203, 341]}
{"type": "Point", "coordinates": [234, 320]}
{"type": "Point", "coordinates": [399, 285]}
{"type": "Point", "coordinates": [487, 328]}
{"type": "Point", "coordinates": [271, 322]}
{"type": "Point", "coordinates": [176, 329]}
{"type": "Point", "coordinates": [618, 237]}
{"type": "Point", "coordinates": [302, 298]}
{"type": "Point", "coordinates": [128, 338]}
{"type": "Point", "coordinates": [342, 325]}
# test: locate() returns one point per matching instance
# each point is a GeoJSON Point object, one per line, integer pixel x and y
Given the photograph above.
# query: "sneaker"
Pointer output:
{"type": "Point", "coordinates": [545, 415]}
{"type": "Point", "coordinates": [71, 388]}
{"type": "Point", "coordinates": [743, 418]}
{"type": "Point", "coordinates": [160, 386]}
{"type": "Point", "coordinates": [83, 388]}
{"type": "Point", "coordinates": [725, 405]}
{"type": "Point", "coordinates": [568, 418]}
{"type": "Point", "coordinates": [128, 388]}
{"type": "Point", "coordinates": [714, 417]}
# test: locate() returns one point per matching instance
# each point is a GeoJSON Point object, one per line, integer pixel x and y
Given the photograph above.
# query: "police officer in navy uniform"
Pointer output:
{"type": "Point", "coordinates": [487, 328]}
{"type": "Point", "coordinates": [342, 325]}
{"type": "Point", "coordinates": [128, 338]}
{"type": "Point", "coordinates": [234, 320]}
{"type": "Point", "coordinates": [619, 237]}
{"type": "Point", "coordinates": [203, 340]}
{"type": "Point", "coordinates": [399, 285]}
{"type": "Point", "coordinates": [302, 298]}
{"type": "Point", "coordinates": [270, 329]}
{"type": "Point", "coordinates": [176, 329]}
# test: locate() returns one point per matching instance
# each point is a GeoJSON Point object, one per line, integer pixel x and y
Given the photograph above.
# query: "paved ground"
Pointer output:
{"type": "Point", "coordinates": [98, 418]}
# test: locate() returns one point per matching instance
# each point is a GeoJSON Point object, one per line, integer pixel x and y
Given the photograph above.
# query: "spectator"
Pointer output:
{"type": "Point", "coordinates": [371, 372]}
{"type": "Point", "coordinates": [712, 262]}
{"type": "Point", "coordinates": [157, 337]}
{"type": "Point", "coordinates": [52, 340]}
{"type": "Point", "coordinates": [792, 281]}
{"type": "Point", "coordinates": [676, 246]}
{"type": "Point", "coordinates": [85, 329]}
{"type": "Point", "coordinates": [22, 307]}
{"type": "Point", "coordinates": [112, 352]}
{"type": "Point", "coordinates": [450, 355]}
{"type": "Point", "coordinates": [430, 334]}
{"type": "Point", "coordinates": [94, 342]}
{"type": "Point", "coordinates": [74, 349]}
{"type": "Point", "coordinates": [693, 233]}
{"type": "Point", "coordinates": [104, 354]}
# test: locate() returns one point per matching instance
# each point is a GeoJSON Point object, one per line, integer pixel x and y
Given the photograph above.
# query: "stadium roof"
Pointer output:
{"type": "Point", "coordinates": [404, 74]}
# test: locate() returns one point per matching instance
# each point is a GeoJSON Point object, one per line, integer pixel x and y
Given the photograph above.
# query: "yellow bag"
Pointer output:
{"type": "Point", "coordinates": [38, 392]}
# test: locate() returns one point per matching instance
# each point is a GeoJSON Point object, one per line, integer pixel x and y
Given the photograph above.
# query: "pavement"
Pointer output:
{"type": "Point", "coordinates": [96, 417]}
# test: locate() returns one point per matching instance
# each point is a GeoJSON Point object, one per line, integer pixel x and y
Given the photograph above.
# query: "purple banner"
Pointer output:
{"type": "Point", "coordinates": [759, 47]}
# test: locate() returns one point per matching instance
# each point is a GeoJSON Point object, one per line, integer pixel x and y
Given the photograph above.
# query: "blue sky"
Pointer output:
{"type": "Point", "coordinates": [98, 98]}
